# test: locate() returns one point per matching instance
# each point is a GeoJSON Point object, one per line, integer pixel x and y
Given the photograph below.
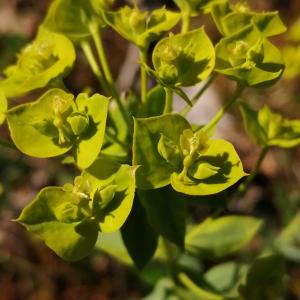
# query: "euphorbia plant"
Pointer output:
{"type": "Point", "coordinates": [140, 165]}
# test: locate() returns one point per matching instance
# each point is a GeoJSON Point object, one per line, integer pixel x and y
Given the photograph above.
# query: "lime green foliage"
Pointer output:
{"type": "Point", "coordinates": [209, 166]}
{"type": "Point", "coordinates": [267, 128]}
{"type": "Point", "coordinates": [68, 218]}
{"type": "Point", "coordinates": [288, 240]}
{"type": "Point", "coordinates": [141, 27]}
{"type": "Point", "coordinates": [264, 279]}
{"type": "Point", "coordinates": [169, 152]}
{"type": "Point", "coordinates": [183, 59]}
{"type": "Point", "coordinates": [3, 107]}
{"type": "Point", "coordinates": [222, 236]}
{"type": "Point", "coordinates": [155, 168]}
{"type": "Point", "coordinates": [249, 58]}
{"type": "Point", "coordinates": [60, 218]}
{"type": "Point", "coordinates": [227, 17]}
{"type": "Point", "coordinates": [69, 17]}
{"type": "Point", "coordinates": [112, 187]}
{"type": "Point", "coordinates": [50, 55]}
{"type": "Point", "coordinates": [55, 123]}
{"type": "Point", "coordinates": [139, 213]}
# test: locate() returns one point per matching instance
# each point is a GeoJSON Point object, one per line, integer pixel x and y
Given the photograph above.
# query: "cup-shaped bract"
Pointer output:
{"type": "Point", "coordinates": [230, 19]}
{"type": "Point", "coordinates": [55, 123]}
{"type": "Point", "coordinates": [49, 56]}
{"type": "Point", "coordinates": [168, 151]}
{"type": "Point", "coordinates": [112, 188]}
{"type": "Point", "coordinates": [141, 27]}
{"type": "Point", "coordinates": [209, 166]}
{"type": "Point", "coordinates": [61, 219]}
{"type": "Point", "coordinates": [267, 128]}
{"type": "Point", "coordinates": [249, 58]}
{"type": "Point", "coordinates": [70, 18]}
{"type": "Point", "coordinates": [183, 59]}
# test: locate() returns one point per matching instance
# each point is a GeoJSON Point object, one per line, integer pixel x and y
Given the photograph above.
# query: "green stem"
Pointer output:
{"type": "Point", "coordinates": [186, 21]}
{"type": "Point", "coordinates": [168, 101]}
{"type": "Point", "coordinates": [144, 80]}
{"type": "Point", "coordinates": [115, 139]}
{"type": "Point", "coordinates": [170, 256]}
{"type": "Point", "coordinates": [197, 291]}
{"type": "Point", "coordinates": [94, 65]}
{"type": "Point", "coordinates": [214, 121]}
{"type": "Point", "coordinates": [242, 188]}
{"type": "Point", "coordinates": [197, 96]}
{"type": "Point", "coordinates": [96, 34]}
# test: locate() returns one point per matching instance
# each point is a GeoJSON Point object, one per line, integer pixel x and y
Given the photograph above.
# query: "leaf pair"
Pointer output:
{"type": "Point", "coordinates": [68, 218]}
{"type": "Point", "coordinates": [249, 58]}
{"type": "Point", "coordinates": [141, 27]}
{"type": "Point", "coordinates": [267, 128]}
{"type": "Point", "coordinates": [49, 56]}
{"type": "Point", "coordinates": [55, 123]}
{"type": "Point", "coordinates": [230, 19]}
{"type": "Point", "coordinates": [169, 152]}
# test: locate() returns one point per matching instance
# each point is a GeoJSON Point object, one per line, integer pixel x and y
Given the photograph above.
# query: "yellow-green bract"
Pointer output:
{"type": "Point", "coordinates": [55, 123]}
{"type": "Point", "coordinates": [50, 55]}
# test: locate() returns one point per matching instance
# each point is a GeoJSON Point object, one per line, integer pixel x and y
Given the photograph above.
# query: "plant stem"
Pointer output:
{"type": "Point", "coordinates": [96, 34]}
{"type": "Point", "coordinates": [144, 80]}
{"type": "Point", "coordinates": [197, 96]}
{"type": "Point", "coordinates": [191, 286]}
{"type": "Point", "coordinates": [115, 139]}
{"type": "Point", "coordinates": [186, 21]}
{"type": "Point", "coordinates": [242, 188]}
{"type": "Point", "coordinates": [169, 255]}
{"type": "Point", "coordinates": [168, 101]}
{"type": "Point", "coordinates": [214, 121]}
{"type": "Point", "coordinates": [94, 65]}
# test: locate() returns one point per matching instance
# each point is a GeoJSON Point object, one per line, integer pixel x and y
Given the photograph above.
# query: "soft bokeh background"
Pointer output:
{"type": "Point", "coordinates": [29, 270]}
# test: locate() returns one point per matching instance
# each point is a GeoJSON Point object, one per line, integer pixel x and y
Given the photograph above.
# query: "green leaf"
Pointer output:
{"type": "Point", "coordinates": [184, 59]}
{"type": "Point", "coordinates": [249, 58]}
{"type": "Point", "coordinates": [268, 23]}
{"type": "Point", "coordinates": [166, 213]}
{"type": "Point", "coordinates": [222, 236]}
{"type": "Point", "coordinates": [50, 55]}
{"type": "Point", "coordinates": [140, 27]}
{"type": "Point", "coordinates": [223, 277]}
{"type": "Point", "coordinates": [155, 171]}
{"type": "Point", "coordinates": [70, 18]}
{"type": "Point", "coordinates": [50, 126]}
{"type": "Point", "coordinates": [230, 19]}
{"type": "Point", "coordinates": [55, 217]}
{"type": "Point", "coordinates": [105, 173]}
{"type": "Point", "coordinates": [215, 168]}
{"type": "Point", "coordinates": [252, 126]}
{"type": "Point", "coordinates": [32, 125]}
{"type": "Point", "coordinates": [155, 102]}
{"type": "Point", "coordinates": [89, 144]}
{"type": "Point", "coordinates": [264, 279]}
{"type": "Point", "coordinates": [3, 107]}
{"type": "Point", "coordinates": [139, 237]}
{"type": "Point", "coordinates": [288, 240]}
{"type": "Point", "coordinates": [271, 129]}
{"type": "Point", "coordinates": [112, 244]}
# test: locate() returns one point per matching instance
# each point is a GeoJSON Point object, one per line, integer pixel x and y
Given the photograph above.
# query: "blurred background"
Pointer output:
{"type": "Point", "coordinates": [29, 270]}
